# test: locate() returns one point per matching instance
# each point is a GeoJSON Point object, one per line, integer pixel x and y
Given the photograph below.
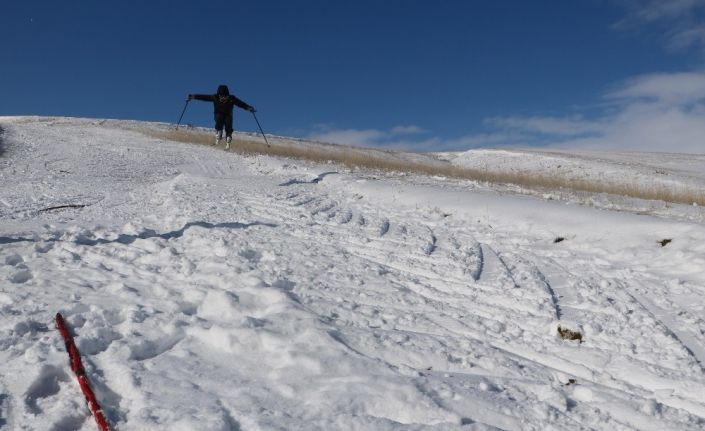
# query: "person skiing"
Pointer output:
{"type": "Point", "coordinates": [223, 103]}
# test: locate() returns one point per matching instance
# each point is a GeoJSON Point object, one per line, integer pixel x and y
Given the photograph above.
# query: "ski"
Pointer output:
{"type": "Point", "coordinates": [77, 367]}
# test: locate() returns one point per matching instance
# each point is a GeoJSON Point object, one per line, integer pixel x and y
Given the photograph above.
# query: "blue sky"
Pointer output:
{"type": "Point", "coordinates": [422, 75]}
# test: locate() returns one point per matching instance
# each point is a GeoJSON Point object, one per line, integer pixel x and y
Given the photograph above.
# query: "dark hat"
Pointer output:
{"type": "Point", "coordinates": [223, 90]}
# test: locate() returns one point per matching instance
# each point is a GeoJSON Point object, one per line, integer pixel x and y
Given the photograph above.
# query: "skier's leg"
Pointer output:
{"type": "Point", "coordinates": [228, 130]}
{"type": "Point", "coordinates": [228, 125]}
{"type": "Point", "coordinates": [219, 123]}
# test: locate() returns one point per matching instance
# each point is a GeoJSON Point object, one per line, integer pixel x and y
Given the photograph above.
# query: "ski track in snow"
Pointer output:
{"type": "Point", "coordinates": [217, 292]}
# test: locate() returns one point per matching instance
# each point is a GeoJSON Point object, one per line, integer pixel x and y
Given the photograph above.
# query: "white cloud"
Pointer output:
{"type": "Point", "coordinates": [407, 130]}
{"type": "Point", "coordinates": [396, 137]}
{"type": "Point", "coordinates": [547, 125]}
{"type": "Point", "coordinates": [687, 37]}
{"type": "Point", "coordinates": [658, 112]}
{"type": "Point", "coordinates": [654, 112]}
{"type": "Point", "coordinates": [682, 21]}
{"type": "Point", "coordinates": [673, 131]}
{"type": "Point", "coordinates": [673, 88]}
{"type": "Point", "coordinates": [356, 137]}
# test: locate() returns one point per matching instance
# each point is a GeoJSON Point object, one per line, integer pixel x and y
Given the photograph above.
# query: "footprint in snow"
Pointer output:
{"type": "Point", "coordinates": [44, 385]}
{"type": "Point", "coordinates": [13, 259]}
{"type": "Point", "coordinates": [23, 275]}
{"type": "Point", "coordinates": [251, 255]}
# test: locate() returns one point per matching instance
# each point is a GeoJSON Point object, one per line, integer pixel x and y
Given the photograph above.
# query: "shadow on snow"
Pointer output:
{"type": "Point", "coordinates": [316, 180]}
{"type": "Point", "coordinates": [147, 234]}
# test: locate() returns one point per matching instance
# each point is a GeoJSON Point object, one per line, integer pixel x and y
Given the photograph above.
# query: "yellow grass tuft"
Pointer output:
{"type": "Point", "coordinates": [352, 157]}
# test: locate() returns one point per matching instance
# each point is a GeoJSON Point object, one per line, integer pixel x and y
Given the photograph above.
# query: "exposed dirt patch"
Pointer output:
{"type": "Point", "coordinates": [569, 334]}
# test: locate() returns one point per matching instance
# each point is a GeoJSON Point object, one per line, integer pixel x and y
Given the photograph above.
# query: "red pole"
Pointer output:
{"type": "Point", "coordinates": [77, 367]}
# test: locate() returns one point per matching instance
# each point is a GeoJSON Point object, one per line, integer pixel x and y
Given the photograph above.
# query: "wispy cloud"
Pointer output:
{"type": "Point", "coordinates": [657, 112]}
{"type": "Point", "coordinates": [572, 126]}
{"type": "Point", "coordinates": [650, 112]}
{"type": "Point", "coordinates": [682, 21]}
{"type": "Point", "coordinates": [407, 130]}
{"type": "Point", "coordinates": [407, 137]}
{"type": "Point", "coordinates": [364, 138]}
{"type": "Point", "coordinates": [654, 112]}
{"type": "Point", "coordinates": [663, 88]}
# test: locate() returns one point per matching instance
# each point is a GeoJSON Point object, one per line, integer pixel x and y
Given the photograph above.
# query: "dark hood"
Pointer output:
{"type": "Point", "coordinates": [223, 90]}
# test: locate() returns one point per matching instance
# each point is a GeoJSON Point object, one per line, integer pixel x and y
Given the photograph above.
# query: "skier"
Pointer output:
{"type": "Point", "coordinates": [223, 103]}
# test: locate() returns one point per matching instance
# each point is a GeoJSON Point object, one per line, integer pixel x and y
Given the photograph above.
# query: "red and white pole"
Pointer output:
{"type": "Point", "coordinates": [77, 367]}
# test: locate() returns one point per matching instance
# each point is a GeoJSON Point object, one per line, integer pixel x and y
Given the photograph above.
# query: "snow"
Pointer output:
{"type": "Point", "coordinates": [614, 166]}
{"type": "Point", "coordinates": [643, 171]}
{"type": "Point", "coordinates": [213, 291]}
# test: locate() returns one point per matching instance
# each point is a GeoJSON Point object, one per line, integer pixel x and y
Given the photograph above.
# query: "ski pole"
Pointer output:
{"type": "Point", "coordinates": [182, 113]}
{"type": "Point", "coordinates": [260, 129]}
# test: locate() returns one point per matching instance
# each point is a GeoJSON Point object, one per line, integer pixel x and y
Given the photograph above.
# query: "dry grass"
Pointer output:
{"type": "Point", "coordinates": [392, 161]}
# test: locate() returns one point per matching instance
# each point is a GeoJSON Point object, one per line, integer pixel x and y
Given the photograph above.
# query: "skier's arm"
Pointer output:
{"type": "Point", "coordinates": [204, 97]}
{"type": "Point", "coordinates": [240, 104]}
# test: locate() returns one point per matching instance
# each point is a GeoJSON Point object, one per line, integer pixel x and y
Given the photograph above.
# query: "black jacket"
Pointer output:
{"type": "Point", "coordinates": [222, 104]}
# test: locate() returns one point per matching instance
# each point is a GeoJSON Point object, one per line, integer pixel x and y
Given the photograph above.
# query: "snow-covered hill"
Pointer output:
{"type": "Point", "coordinates": [212, 291]}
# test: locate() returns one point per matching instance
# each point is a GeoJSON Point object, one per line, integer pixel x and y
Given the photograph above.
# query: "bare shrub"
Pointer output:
{"type": "Point", "coordinates": [664, 242]}
{"type": "Point", "coordinates": [569, 334]}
